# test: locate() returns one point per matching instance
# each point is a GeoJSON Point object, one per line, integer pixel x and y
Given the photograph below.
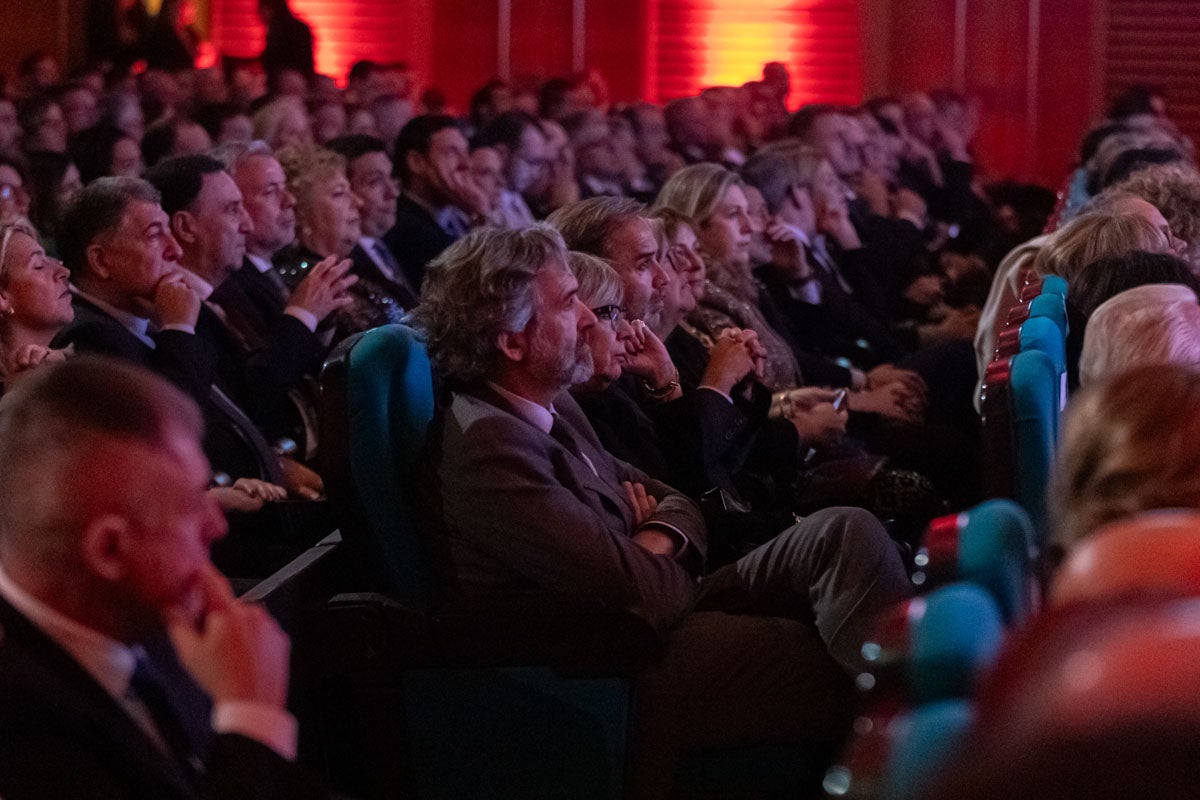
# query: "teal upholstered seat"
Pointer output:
{"type": "Point", "coordinates": [923, 741]}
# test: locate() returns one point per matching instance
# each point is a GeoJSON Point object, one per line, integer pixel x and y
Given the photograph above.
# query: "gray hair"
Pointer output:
{"type": "Point", "coordinates": [1152, 324]}
{"type": "Point", "coordinates": [234, 153]}
{"type": "Point", "coordinates": [774, 169]}
{"type": "Point", "coordinates": [99, 208]}
{"type": "Point", "coordinates": [585, 226]}
{"type": "Point", "coordinates": [599, 283]}
{"type": "Point", "coordinates": [479, 287]}
{"type": "Point", "coordinates": [696, 191]}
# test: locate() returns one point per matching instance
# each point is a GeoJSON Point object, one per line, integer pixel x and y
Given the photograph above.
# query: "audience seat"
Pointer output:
{"type": "Point", "coordinates": [436, 699]}
{"type": "Point", "coordinates": [923, 663]}
{"type": "Point", "coordinates": [993, 546]}
{"type": "Point", "coordinates": [1157, 553]}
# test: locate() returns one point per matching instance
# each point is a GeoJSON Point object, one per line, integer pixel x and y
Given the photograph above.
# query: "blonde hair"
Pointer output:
{"type": "Point", "coordinates": [1152, 324]}
{"type": "Point", "coordinates": [1128, 445]}
{"type": "Point", "coordinates": [269, 118]}
{"type": "Point", "coordinates": [1092, 236]}
{"type": "Point", "coordinates": [599, 283]}
{"type": "Point", "coordinates": [7, 229]}
{"type": "Point", "coordinates": [307, 165]}
{"type": "Point", "coordinates": [696, 191]}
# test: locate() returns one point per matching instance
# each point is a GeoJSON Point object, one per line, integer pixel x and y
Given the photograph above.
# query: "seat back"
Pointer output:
{"type": "Point", "coordinates": [923, 741]}
{"type": "Point", "coordinates": [1035, 386]}
{"type": "Point", "coordinates": [1051, 306]}
{"type": "Point", "coordinates": [377, 401]}
{"type": "Point", "coordinates": [1155, 553]}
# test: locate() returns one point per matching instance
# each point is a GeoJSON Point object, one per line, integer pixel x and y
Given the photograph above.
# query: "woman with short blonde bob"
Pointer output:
{"type": "Point", "coordinates": [1128, 446]}
{"type": "Point", "coordinates": [328, 225]}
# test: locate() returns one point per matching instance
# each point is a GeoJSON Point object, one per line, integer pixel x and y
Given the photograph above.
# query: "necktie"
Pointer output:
{"type": "Point", "coordinates": [562, 434]}
{"type": "Point", "coordinates": [146, 685]}
{"type": "Point", "coordinates": [386, 259]}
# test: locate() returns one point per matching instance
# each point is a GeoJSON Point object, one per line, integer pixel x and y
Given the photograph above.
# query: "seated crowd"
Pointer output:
{"type": "Point", "coordinates": [710, 361]}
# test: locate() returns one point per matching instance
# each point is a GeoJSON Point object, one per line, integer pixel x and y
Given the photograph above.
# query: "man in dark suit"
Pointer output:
{"type": "Point", "coordinates": [127, 667]}
{"type": "Point", "coordinates": [530, 502]}
{"type": "Point", "coordinates": [369, 171]}
{"type": "Point", "coordinates": [440, 202]}
{"type": "Point", "coordinates": [208, 219]}
{"type": "Point", "coordinates": [134, 302]}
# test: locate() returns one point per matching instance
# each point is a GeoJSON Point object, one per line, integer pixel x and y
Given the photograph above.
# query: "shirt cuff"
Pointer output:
{"type": "Point", "coordinates": [181, 328]}
{"type": "Point", "coordinates": [263, 723]}
{"type": "Point", "coordinates": [306, 317]}
{"type": "Point", "coordinates": [681, 539]}
{"type": "Point", "coordinates": [718, 391]}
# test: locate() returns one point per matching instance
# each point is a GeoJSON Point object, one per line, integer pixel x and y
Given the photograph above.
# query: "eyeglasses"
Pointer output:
{"type": "Point", "coordinates": [611, 314]}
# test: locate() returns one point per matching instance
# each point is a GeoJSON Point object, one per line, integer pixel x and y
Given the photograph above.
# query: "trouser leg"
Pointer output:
{"type": "Point", "coordinates": [836, 569]}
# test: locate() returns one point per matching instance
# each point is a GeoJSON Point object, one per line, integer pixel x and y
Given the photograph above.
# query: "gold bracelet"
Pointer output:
{"type": "Point", "coordinates": [662, 392]}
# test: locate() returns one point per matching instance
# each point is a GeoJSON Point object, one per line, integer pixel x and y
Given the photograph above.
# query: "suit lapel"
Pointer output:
{"type": "Point", "coordinates": [69, 698]}
{"type": "Point", "coordinates": [607, 490]}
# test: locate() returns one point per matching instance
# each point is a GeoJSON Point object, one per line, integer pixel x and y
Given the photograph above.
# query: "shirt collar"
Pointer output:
{"type": "Point", "coordinates": [202, 287]}
{"type": "Point", "coordinates": [261, 264]}
{"type": "Point", "coordinates": [109, 662]}
{"type": "Point", "coordinates": [136, 325]}
{"type": "Point", "coordinates": [536, 415]}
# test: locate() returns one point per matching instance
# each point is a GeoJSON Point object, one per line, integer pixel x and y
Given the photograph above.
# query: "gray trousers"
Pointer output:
{"type": "Point", "coordinates": [769, 652]}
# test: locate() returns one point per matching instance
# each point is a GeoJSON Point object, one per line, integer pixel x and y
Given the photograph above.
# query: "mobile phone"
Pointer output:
{"type": "Point", "coordinates": [839, 399]}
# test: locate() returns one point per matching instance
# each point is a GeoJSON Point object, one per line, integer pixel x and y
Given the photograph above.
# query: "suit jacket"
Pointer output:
{"type": "Point", "coordinates": [415, 239]}
{"type": "Point", "coordinates": [188, 361]}
{"type": "Point", "coordinates": [62, 735]}
{"type": "Point", "coordinates": [185, 360]}
{"type": "Point", "coordinates": [253, 302]}
{"type": "Point", "coordinates": [832, 326]}
{"type": "Point", "coordinates": [260, 379]}
{"type": "Point", "coordinates": [521, 513]}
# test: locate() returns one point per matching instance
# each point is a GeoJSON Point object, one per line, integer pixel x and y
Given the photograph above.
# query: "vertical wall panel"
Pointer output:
{"type": "Point", "coordinates": [1156, 42]}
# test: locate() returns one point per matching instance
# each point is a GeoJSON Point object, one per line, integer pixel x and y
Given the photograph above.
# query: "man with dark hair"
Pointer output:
{"type": "Point", "coordinates": [440, 199]}
{"type": "Point", "coordinates": [517, 137]}
{"type": "Point", "coordinates": [531, 502]}
{"type": "Point", "coordinates": [135, 302]}
{"type": "Point", "coordinates": [117, 242]}
{"type": "Point", "coordinates": [209, 220]}
{"type": "Point", "coordinates": [174, 137]}
{"type": "Point", "coordinates": [369, 171]}
{"type": "Point", "coordinates": [127, 667]}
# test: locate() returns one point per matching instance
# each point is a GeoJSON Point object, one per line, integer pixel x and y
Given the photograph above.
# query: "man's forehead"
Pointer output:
{"type": "Point", "coordinates": [141, 214]}
{"type": "Point", "coordinates": [217, 189]}
{"type": "Point", "coordinates": [260, 169]}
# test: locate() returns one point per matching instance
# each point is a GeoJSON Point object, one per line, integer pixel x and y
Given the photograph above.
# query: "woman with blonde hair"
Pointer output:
{"type": "Point", "coordinates": [328, 225]}
{"type": "Point", "coordinates": [35, 302]}
{"type": "Point", "coordinates": [1128, 446]}
{"type": "Point", "coordinates": [1092, 236]}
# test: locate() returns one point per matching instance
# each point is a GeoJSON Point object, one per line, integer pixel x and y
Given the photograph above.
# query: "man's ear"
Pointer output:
{"type": "Point", "coordinates": [183, 227]}
{"type": "Point", "coordinates": [97, 261]}
{"type": "Point", "coordinates": [416, 163]}
{"type": "Point", "coordinates": [105, 546]}
{"type": "Point", "coordinates": [514, 345]}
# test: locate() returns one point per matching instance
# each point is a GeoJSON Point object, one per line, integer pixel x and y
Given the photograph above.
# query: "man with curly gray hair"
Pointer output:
{"type": "Point", "coordinates": [529, 501]}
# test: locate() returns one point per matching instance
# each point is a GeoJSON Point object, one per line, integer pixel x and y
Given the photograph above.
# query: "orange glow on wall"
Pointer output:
{"type": "Point", "coordinates": [698, 43]}
{"type": "Point", "coordinates": [737, 34]}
